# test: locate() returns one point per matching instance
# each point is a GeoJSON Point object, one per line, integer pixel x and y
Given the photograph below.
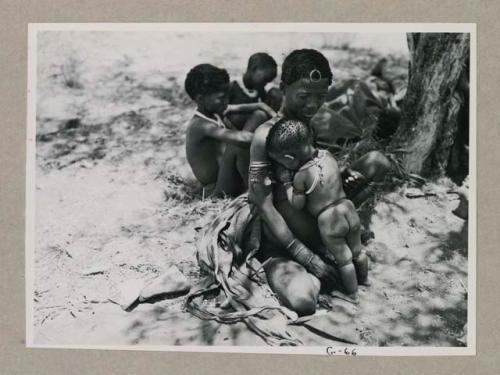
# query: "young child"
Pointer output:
{"type": "Point", "coordinates": [261, 70]}
{"type": "Point", "coordinates": [317, 185]}
{"type": "Point", "coordinates": [211, 147]}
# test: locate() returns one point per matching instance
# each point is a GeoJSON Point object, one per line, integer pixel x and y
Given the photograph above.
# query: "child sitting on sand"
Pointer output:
{"type": "Point", "coordinates": [261, 70]}
{"type": "Point", "coordinates": [317, 184]}
{"type": "Point", "coordinates": [212, 147]}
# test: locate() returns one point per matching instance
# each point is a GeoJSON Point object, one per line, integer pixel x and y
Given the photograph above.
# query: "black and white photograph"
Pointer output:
{"type": "Point", "coordinates": [263, 188]}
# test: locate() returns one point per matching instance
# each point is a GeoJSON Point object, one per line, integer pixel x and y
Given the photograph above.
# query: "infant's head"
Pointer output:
{"type": "Point", "coordinates": [289, 143]}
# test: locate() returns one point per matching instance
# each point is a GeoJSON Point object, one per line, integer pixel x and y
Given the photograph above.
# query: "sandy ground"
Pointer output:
{"type": "Point", "coordinates": [115, 201]}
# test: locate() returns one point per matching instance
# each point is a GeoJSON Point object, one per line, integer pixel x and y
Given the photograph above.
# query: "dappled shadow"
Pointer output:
{"type": "Point", "coordinates": [418, 269]}
{"type": "Point", "coordinates": [157, 324]}
{"type": "Point", "coordinates": [434, 327]}
{"type": "Point", "coordinates": [451, 243]}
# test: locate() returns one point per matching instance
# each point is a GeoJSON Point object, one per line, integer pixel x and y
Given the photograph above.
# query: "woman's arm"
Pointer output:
{"type": "Point", "coordinates": [260, 187]}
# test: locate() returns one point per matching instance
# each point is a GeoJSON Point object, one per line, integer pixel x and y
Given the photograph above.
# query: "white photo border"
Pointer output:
{"type": "Point", "coordinates": [34, 28]}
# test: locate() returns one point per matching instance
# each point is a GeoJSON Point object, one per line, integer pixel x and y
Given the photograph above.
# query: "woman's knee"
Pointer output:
{"type": "Point", "coordinates": [295, 288]}
{"type": "Point", "coordinates": [373, 165]}
{"type": "Point", "coordinates": [302, 304]}
{"type": "Point", "coordinates": [380, 162]}
{"type": "Point", "coordinates": [302, 295]}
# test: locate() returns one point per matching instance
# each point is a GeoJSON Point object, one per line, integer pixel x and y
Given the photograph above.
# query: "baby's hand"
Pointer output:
{"type": "Point", "coordinates": [282, 174]}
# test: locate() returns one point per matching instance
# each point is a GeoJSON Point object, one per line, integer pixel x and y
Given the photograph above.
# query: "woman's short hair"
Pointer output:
{"type": "Point", "coordinates": [305, 63]}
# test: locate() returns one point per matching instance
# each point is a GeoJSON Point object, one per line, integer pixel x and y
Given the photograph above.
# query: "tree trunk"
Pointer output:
{"type": "Point", "coordinates": [428, 126]}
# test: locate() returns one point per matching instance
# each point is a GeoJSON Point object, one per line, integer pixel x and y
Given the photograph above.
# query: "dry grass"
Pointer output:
{"type": "Point", "coordinates": [70, 73]}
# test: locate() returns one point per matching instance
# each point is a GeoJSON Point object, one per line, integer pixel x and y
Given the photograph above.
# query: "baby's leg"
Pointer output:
{"type": "Point", "coordinates": [333, 228]}
{"type": "Point", "coordinates": [353, 236]}
{"type": "Point", "coordinates": [346, 267]}
{"type": "Point", "coordinates": [353, 239]}
{"type": "Point", "coordinates": [361, 265]}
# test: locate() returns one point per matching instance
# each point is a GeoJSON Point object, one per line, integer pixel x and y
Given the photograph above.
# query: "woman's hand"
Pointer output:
{"type": "Point", "coordinates": [313, 263]}
{"type": "Point", "coordinates": [324, 272]}
{"type": "Point", "coordinates": [353, 176]}
{"type": "Point", "coordinates": [352, 181]}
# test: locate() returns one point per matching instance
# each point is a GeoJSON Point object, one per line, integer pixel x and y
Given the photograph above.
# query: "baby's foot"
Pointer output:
{"type": "Point", "coordinates": [366, 282]}
{"type": "Point", "coordinates": [352, 298]}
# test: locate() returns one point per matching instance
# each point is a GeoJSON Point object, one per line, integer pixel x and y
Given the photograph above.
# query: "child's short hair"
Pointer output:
{"type": "Point", "coordinates": [287, 135]}
{"type": "Point", "coordinates": [205, 79]}
{"type": "Point", "coordinates": [262, 60]}
{"type": "Point", "coordinates": [305, 63]}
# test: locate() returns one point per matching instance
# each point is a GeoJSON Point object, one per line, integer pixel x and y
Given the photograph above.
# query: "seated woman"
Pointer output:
{"type": "Point", "coordinates": [295, 269]}
{"type": "Point", "coordinates": [289, 239]}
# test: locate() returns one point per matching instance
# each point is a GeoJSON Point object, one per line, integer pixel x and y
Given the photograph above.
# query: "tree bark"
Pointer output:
{"type": "Point", "coordinates": [428, 126]}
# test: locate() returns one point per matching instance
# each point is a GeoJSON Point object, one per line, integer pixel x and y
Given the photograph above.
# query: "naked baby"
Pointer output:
{"type": "Point", "coordinates": [317, 185]}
